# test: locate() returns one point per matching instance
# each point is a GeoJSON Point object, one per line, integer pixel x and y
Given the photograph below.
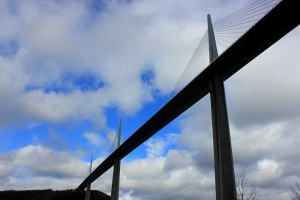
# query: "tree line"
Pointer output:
{"type": "Point", "coordinates": [248, 191]}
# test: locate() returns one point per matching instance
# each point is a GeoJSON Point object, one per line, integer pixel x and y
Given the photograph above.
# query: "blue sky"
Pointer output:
{"type": "Point", "coordinates": [69, 70]}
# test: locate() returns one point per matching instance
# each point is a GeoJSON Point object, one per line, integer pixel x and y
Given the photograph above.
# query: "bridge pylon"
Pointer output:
{"type": "Point", "coordinates": [88, 187]}
{"type": "Point", "coordinates": [117, 167]}
{"type": "Point", "coordinates": [224, 167]}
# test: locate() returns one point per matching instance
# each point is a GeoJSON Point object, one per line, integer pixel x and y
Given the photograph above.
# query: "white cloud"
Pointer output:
{"type": "Point", "coordinates": [39, 167]}
{"type": "Point", "coordinates": [157, 146]}
{"type": "Point", "coordinates": [57, 38]}
{"type": "Point", "coordinates": [117, 46]}
{"type": "Point", "coordinates": [266, 89]}
{"type": "Point", "coordinates": [268, 168]}
{"type": "Point", "coordinates": [128, 196]}
{"type": "Point", "coordinates": [176, 173]}
{"type": "Point", "coordinates": [93, 138]}
{"type": "Point", "coordinates": [30, 166]}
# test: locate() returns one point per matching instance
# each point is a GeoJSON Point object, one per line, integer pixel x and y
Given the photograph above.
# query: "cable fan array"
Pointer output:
{"type": "Point", "coordinates": [230, 28]}
{"type": "Point", "coordinates": [195, 66]}
{"type": "Point", "coordinates": [227, 30]}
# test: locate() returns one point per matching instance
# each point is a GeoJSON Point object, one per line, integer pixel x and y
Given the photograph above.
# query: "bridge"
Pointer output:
{"type": "Point", "coordinates": [272, 27]}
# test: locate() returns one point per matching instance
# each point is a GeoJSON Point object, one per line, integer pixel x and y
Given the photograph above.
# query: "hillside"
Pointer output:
{"type": "Point", "coordinates": [51, 195]}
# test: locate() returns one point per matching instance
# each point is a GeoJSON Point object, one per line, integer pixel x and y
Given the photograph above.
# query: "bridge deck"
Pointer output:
{"type": "Point", "coordinates": [277, 23]}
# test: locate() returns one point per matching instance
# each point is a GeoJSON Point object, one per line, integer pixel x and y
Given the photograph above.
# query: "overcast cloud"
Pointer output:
{"type": "Point", "coordinates": [137, 50]}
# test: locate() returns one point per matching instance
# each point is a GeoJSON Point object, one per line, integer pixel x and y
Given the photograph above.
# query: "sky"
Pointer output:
{"type": "Point", "coordinates": [69, 70]}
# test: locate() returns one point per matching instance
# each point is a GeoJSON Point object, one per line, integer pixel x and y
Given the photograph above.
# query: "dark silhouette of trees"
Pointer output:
{"type": "Point", "coordinates": [51, 195]}
{"type": "Point", "coordinates": [295, 192]}
{"type": "Point", "coordinates": [245, 191]}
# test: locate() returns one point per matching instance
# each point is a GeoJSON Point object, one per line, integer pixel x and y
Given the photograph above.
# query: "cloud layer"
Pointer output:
{"type": "Point", "coordinates": [55, 44]}
{"type": "Point", "coordinates": [70, 62]}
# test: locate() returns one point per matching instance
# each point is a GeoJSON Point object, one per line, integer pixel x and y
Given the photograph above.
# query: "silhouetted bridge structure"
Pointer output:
{"type": "Point", "coordinates": [271, 28]}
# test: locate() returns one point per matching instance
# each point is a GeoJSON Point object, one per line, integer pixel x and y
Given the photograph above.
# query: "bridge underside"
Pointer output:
{"type": "Point", "coordinates": [277, 23]}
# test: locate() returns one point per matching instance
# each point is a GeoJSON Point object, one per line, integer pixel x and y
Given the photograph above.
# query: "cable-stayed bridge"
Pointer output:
{"type": "Point", "coordinates": [199, 80]}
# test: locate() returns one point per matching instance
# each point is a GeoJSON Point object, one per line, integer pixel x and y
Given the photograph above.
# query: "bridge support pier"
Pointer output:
{"type": "Point", "coordinates": [116, 179]}
{"type": "Point", "coordinates": [117, 167]}
{"type": "Point", "coordinates": [88, 187]}
{"type": "Point", "coordinates": [224, 168]}
{"type": "Point", "coordinates": [88, 192]}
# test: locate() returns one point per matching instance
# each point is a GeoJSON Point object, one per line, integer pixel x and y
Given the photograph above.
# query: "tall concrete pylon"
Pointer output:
{"type": "Point", "coordinates": [224, 168]}
{"type": "Point", "coordinates": [116, 173]}
{"type": "Point", "coordinates": [88, 188]}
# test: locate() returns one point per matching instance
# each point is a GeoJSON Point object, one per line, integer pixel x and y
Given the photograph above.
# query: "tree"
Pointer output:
{"type": "Point", "coordinates": [245, 191]}
{"type": "Point", "coordinates": [295, 192]}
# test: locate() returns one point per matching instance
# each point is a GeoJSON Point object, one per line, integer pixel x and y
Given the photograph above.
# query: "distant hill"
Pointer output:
{"type": "Point", "coordinates": [51, 195]}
